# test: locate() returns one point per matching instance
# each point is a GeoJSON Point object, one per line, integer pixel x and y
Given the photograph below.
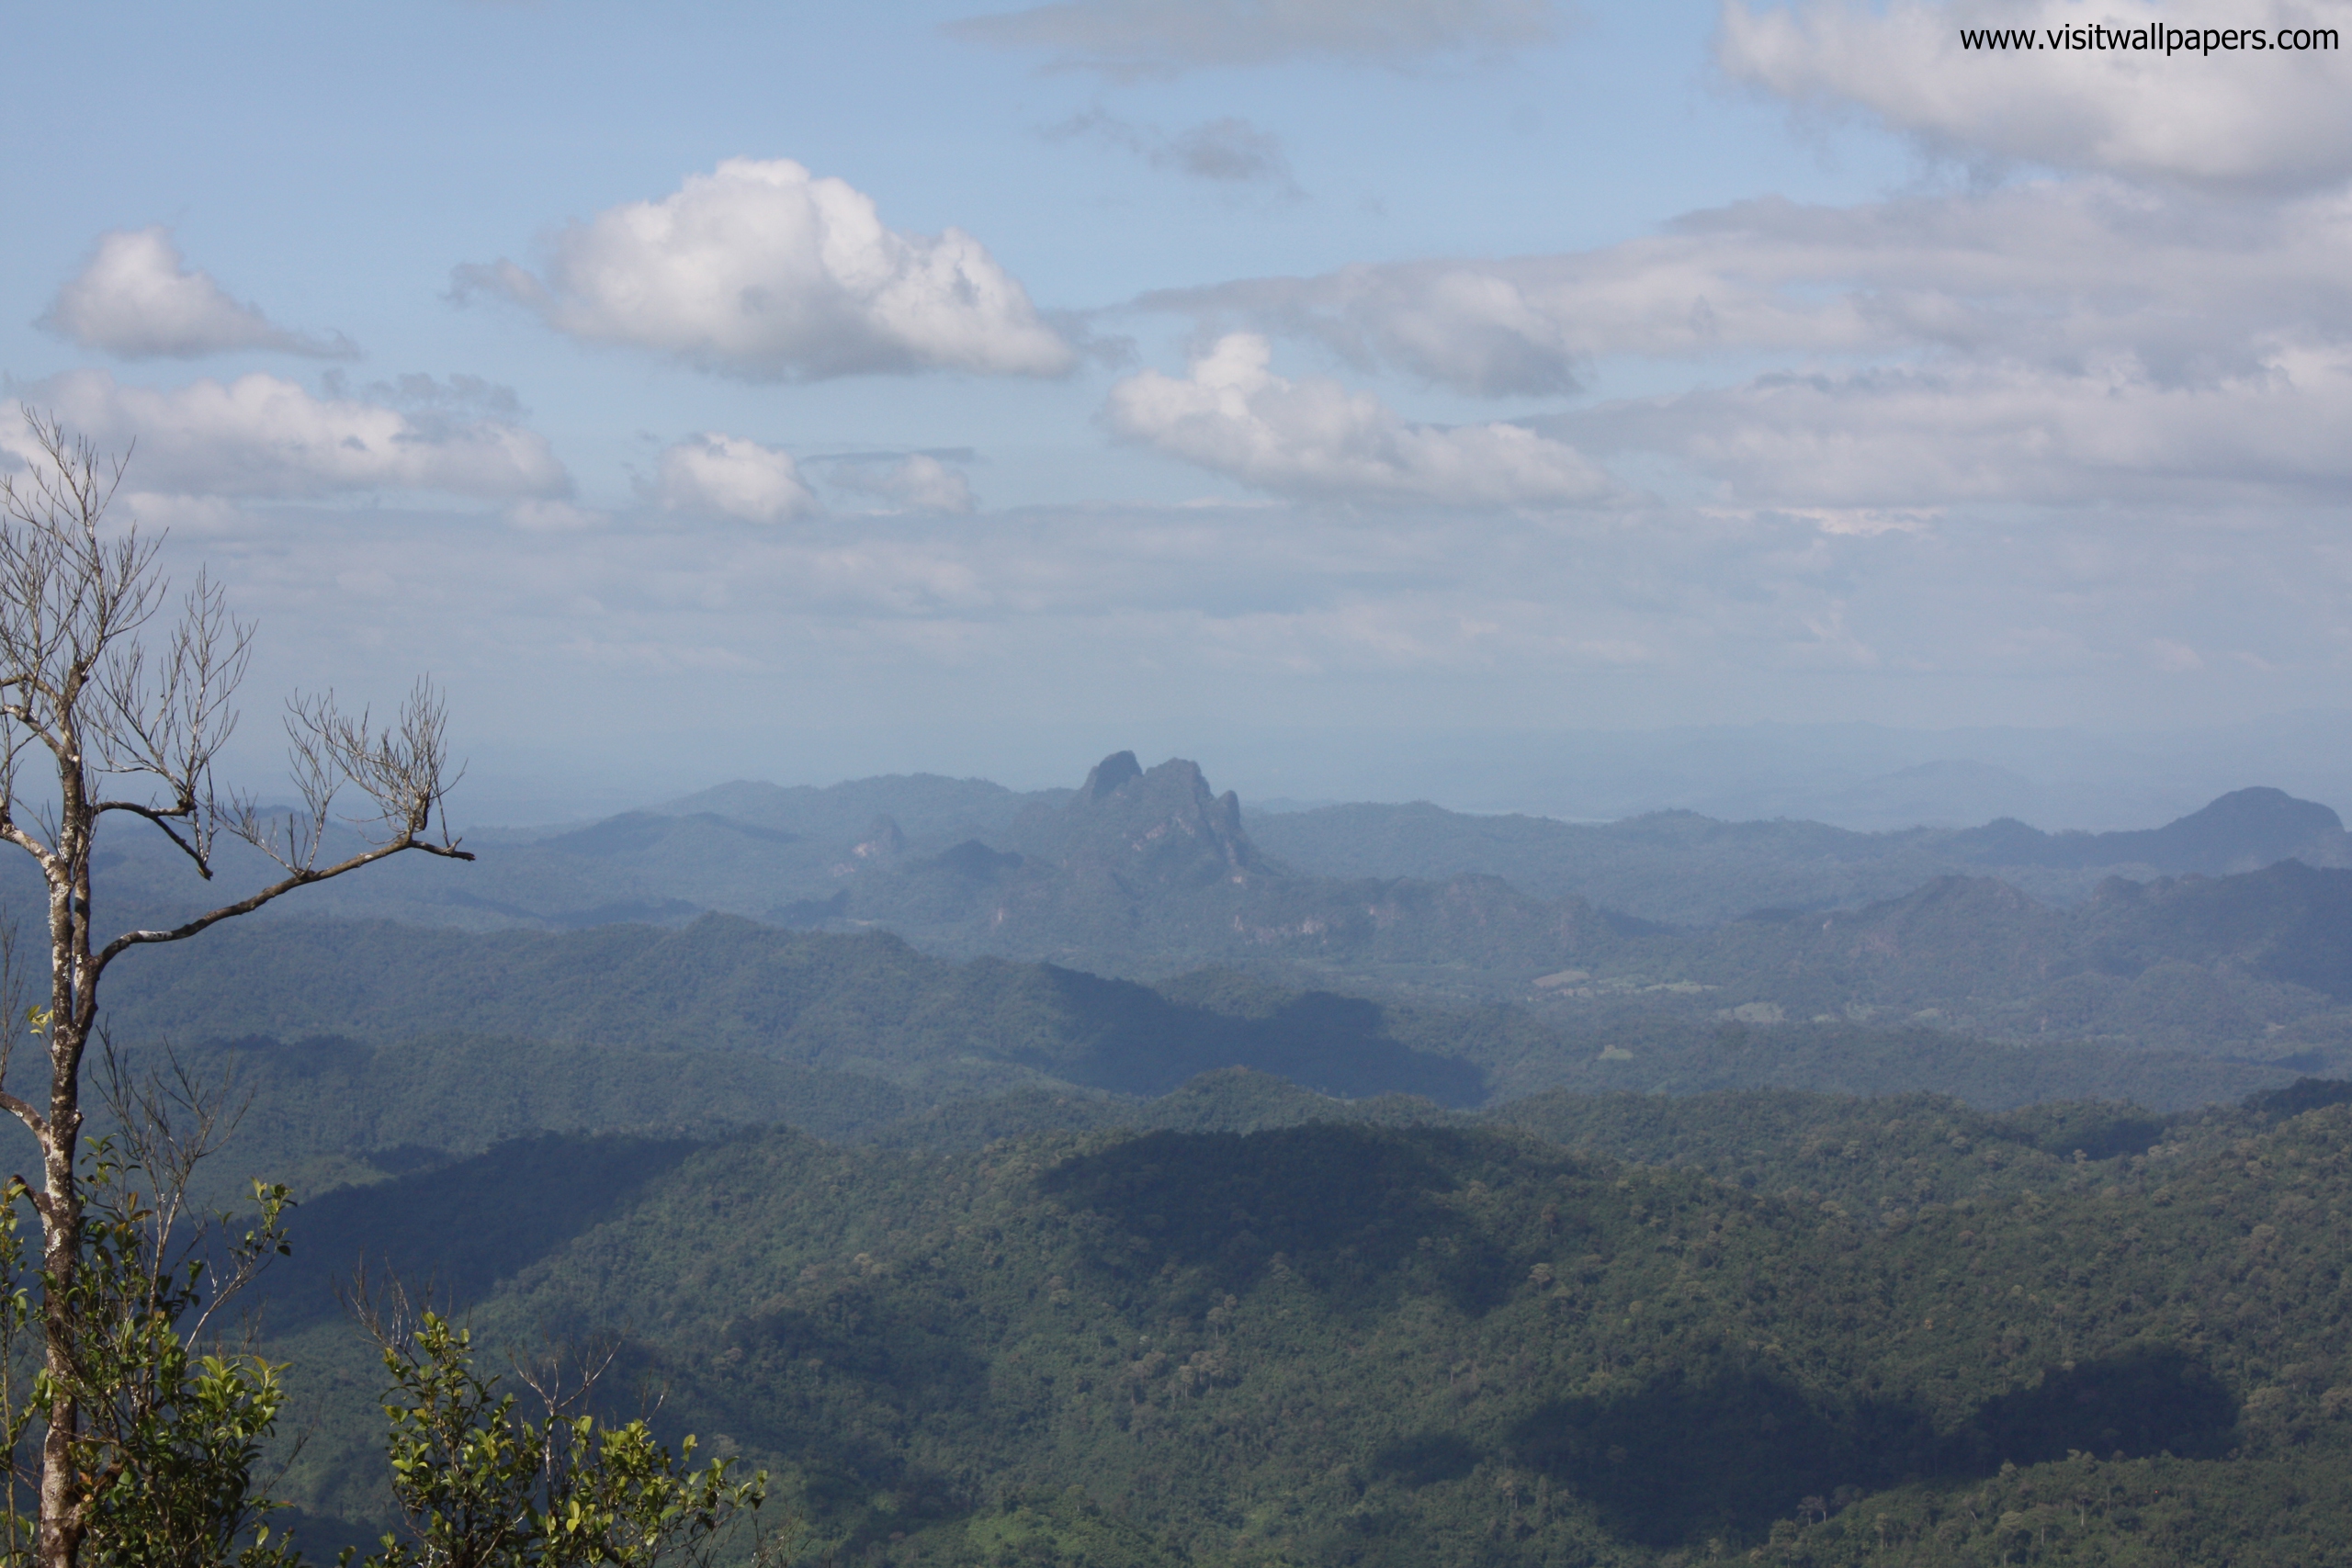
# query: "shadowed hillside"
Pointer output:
{"type": "Point", "coordinates": [1337, 1343]}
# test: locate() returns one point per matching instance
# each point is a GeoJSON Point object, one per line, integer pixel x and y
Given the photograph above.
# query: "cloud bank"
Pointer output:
{"type": "Point", "coordinates": [137, 298]}
{"type": "Point", "coordinates": [2050, 271]}
{"type": "Point", "coordinates": [1314, 439]}
{"type": "Point", "coordinates": [2006, 433]}
{"type": "Point", "coordinates": [2077, 341]}
{"type": "Point", "coordinates": [263, 436]}
{"type": "Point", "coordinates": [760, 271]}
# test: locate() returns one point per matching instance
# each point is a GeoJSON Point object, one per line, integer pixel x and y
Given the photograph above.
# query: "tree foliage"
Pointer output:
{"type": "Point", "coordinates": [481, 1485]}
{"type": "Point", "coordinates": [172, 1419]}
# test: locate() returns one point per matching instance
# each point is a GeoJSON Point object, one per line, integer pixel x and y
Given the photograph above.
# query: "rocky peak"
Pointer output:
{"type": "Point", "coordinates": [1165, 824]}
{"type": "Point", "coordinates": [1106, 777]}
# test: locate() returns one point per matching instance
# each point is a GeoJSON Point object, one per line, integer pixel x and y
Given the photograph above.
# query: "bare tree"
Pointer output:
{"type": "Point", "coordinates": [108, 705]}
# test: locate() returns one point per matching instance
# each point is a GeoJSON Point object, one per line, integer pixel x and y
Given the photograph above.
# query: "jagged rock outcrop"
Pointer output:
{"type": "Point", "coordinates": [1161, 829]}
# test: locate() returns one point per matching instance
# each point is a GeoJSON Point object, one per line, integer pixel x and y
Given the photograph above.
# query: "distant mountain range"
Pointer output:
{"type": "Point", "coordinates": [1149, 875]}
{"type": "Point", "coordinates": [2229, 931]}
{"type": "Point", "coordinates": [921, 851]}
{"type": "Point", "coordinates": [2231, 964]}
{"type": "Point", "coordinates": [1685, 869]}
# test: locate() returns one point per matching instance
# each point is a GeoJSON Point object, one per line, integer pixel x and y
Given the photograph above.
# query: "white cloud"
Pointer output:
{"type": "Point", "coordinates": [916, 482]}
{"type": "Point", "coordinates": [260, 436]}
{"type": "Point", "coordinates": [1154, 37]}
{"type": "Point", "coordinates": [759, 271]}
{"type": "Point", "coordinates": [727, 475]}
{"type": "Point", "coordinates": [137, 298]}
{"type": "Point", "coordinates": [2266, 119]}
{"type": "Point", "coordinates": [2077, 342]}
{"type": "Point", "coordinates": [1315, 438]}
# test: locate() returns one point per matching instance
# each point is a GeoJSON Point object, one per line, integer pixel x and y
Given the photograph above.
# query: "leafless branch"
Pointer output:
{"type": "Point", "coordinates": [170, 1120]}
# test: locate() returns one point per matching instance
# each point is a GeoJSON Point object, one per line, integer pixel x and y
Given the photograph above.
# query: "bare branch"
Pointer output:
{"type": "Point", "coordinates": [170, 1122]}
{"type": "Point", "coordinates": [277, 889]}
{"type": "Point", "coordinates": [191, 846]}
{"type": "Point", "coordinates": [563, 1376]}
{"type": "Point", "coordinates": [388, 1313]}
{"type": "Point", "coordinates": [403, 770]}
{"type": "Point", "coordinates": [33, 1120]}
{"type": "Point", "coordinates": [168, 723]}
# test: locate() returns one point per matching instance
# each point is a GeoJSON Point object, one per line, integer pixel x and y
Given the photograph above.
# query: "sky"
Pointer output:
{"type": "Point", "coordinates": [1338, 391]}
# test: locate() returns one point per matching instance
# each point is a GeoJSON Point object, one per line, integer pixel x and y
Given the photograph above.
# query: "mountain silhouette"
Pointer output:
{"type": "Point", "coordinates": [2244, 830]}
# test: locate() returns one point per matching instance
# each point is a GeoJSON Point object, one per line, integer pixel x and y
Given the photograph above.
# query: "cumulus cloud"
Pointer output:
{"type": "Point", "coordinates": [2269, 118]}
{"type": "Point", "coordinates": [1315, 438]}
{"type": "Point", "coordinates": [260, 436]}
{"type": "Point", "coordinates": [1160, 36]}
{"type": "Point", "coordinates": [916, 482]}
{"type": "Point", "coordinates": [761, 271]}
{"type": "Point", "coordinates": [727, 475]}
{"type": "Point", "coordinates": [137, 298]}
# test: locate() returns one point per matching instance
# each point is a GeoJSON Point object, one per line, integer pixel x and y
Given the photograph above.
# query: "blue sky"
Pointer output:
{"type": "Point", "coordinates": [803, 391]}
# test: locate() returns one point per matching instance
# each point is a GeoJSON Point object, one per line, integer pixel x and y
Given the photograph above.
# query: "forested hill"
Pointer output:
{"type": "Point", "coordinates": [862, 1005]}
{"type": "Point", "coordinates": [877, 1010]}
{"type": "Point", "coordinates": [1915, 1336]}
{"type": "Point", "coordinates": [2232, 962]}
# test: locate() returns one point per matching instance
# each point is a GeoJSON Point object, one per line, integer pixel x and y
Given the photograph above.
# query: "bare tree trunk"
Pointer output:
{"type": "Point", "coordinates": [63, 1501]}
